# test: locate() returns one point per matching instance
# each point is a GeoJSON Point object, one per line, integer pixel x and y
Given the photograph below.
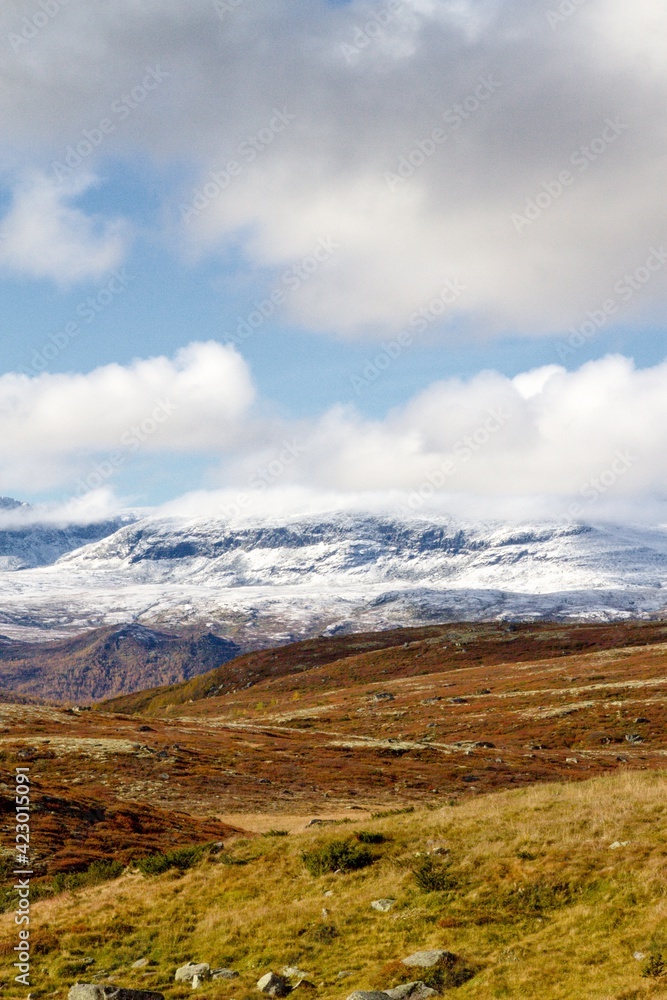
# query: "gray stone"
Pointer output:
{"type": "Point", "coordinates": [293, 972]}
{"type": "Point", "coordinates": [367, 995]}
{"type": "Point", "coordinates": [93, 991]}
{"type": "Point", "coordinates": [382, 905]}
{"type": "Point", "coordinates": [429, 959]}
{"type": "Point", "coordinates": [140, 963]}
{"type": "Point", "coordinates": [224, 974]}
{"type": "Point", "coordinates": [186, 973]}
{"type": "Point", "coordinates": [411, 991]}
{"type": "Point", "coordinates": [274, 985]}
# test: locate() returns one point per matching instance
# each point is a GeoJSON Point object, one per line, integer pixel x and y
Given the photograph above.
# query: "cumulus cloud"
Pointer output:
{"type": "Point", "coordinates": [45, 236]}
{"type": "Point", "coordinates": [589, 434]}
{"type": "Point", "coordinates": [557, 120]}
{"type": "Point", "coordinates": [50, 425]}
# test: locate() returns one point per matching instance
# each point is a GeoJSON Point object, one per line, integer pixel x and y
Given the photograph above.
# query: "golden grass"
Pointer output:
{"type": "Point", "coordinates": [542, 907]}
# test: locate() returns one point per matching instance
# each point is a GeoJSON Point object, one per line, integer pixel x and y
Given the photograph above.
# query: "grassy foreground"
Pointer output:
{"type": "Point", "coordinates": [524, 885]}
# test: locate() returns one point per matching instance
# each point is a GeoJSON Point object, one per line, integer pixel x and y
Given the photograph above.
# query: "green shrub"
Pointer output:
{"type": "Point", "coordinates": [366, 837]}
{"type": "Point", "coordinates": [654, 966]}
{"type": "Point", "coordinates": [275, 833]}
{"type": "Point", "coordinates": [181, 858]}
{"type": "Point", "coordinates": [97, 872]}
{"type": "Point", "coordinates": [337, 855]}
{"type": "Point", "coordinates": [433, 876]}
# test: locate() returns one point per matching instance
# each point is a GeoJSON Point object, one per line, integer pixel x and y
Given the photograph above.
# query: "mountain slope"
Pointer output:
{"type": "Point", "coordinates": [267, 581]}
{"type": "Point", "coordinates": [106, 662]}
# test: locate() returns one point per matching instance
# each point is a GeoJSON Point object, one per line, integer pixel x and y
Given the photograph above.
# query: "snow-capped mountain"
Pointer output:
{"type": "Point", "coordinates": [272, 579]}
{"type": "Point", "coordinates": [26, 542]}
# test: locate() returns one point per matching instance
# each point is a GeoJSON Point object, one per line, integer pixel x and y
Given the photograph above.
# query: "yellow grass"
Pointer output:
{"type": "Point", "coordinates": [543, 908]}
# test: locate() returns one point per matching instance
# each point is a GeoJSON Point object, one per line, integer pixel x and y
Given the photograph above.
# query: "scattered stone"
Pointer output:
{"type": "Point", "coordinates": [140, 963]}
{"type": "Point", "coordinates": [383, 696]}
{"type": "Point", "coordinates": [638, 955]}
{"type": "Point", "coordinates": [293, 972]}
{"type": "Point", "coordinates": [382, 905]}
{"type": "Point", "coordinates": [458, 701]}
{"type": "Point", "coordinates": [618, 843]}
{"type": "Point", "coordinates": [187, 973]}
{"type": "Point", "coordinates": [429, 959]}
{"type": "Point", "coordinates": [343, 974]}
{"type": "Point", "coordinates": [484, 745]}
{"type": "Point", "coordinates": [224, 974]}
{"type": "Point", "coordinates": [411, 991]}
{"type": "Point", "coordinates": [329, 892]}
{"type": "Point", "coordinates": [304, 984]}
{"type": "Point", "coordinates": [622, 760]}
{"type": "Point", "coordinates": [633, 738]}
{"type": "Point", "coordinates": [367, 995]}
{"type": "Point", "coordinates": [196, 982]}
{"type": "Point", "coordinates": [274, 985]}
{"type": "Point", "coordinates": [571, 760]}
{"type": "Point", "coordinates": [470, 778]}
{"type": "Point", "coordinates": [93, 991]}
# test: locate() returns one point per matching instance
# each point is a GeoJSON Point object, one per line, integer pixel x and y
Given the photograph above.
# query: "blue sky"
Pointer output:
{"type": "Point", "coordinates": [412, 147]}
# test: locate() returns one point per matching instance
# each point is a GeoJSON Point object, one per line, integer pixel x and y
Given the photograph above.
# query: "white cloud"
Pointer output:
{"type": "Point", "coordinates": [359, 116]}
{"type": "Point", "coordinates": [51, 425]}
{"type": "Point", "coordinates": [587, 434]}
{"type": "Point", "coordinates": [44, 236]}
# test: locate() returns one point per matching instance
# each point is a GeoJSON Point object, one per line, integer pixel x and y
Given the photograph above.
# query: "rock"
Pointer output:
{"type": "Point", "coordinates": [638, 955]}
{"type": "Point", "coordinates": [618, 843]}
{"type": "Point", "coordinates": [92, 991]}
{"type": "Point", "coordinates": [411, 991]}
{"type": "Point", "coordinates": [273, 985]}
{"type": "Point", "coordinates": [383, 904]}
{"type": "Point", "coordinates": [140, 963]}
{"type": "Point", "coordinates": [224, 974]}
{"type": "Point", "coordinates": [383, 696]}
{"type": "Point", "coordinates": [633, 738]}
{"type": "Point", "coordinates": [343, 974]}
{"type": "Point", "coordinates": [429, 959]}
{"type": "Point", "coordinates": [293, 972]}
{"type": "Point", "coordinates": [188, 972]}
{"type": "Point", "coordinates": [304, 984]}
{"type": "Point", "coordinates": [458, 701]}
{"type": "Point", "coordinates": [485, 745]}
{"type": "Point", "coordinates": [367, 995]}
{"type": "Point", "coordinates": [196, 982]}
{"type": "Point", "coordinates": [641, 721]}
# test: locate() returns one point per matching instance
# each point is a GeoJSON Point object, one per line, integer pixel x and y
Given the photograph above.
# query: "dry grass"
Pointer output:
{"type": "Point", "coordinates": [539, 904]}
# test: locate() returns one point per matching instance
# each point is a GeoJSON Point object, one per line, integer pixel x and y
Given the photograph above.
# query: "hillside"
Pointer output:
{"type": "Point", "coordinates": [555, 891]}
{"type": "Point", "coordinates": [107, 661]}
{"type": "Point", "coordinates": [265, 581]}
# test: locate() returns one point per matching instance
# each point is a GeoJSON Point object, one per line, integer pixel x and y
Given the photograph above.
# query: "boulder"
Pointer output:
{"type": "Point", "coordinates": [224, 974]}
{"type": "Point", "coordinates": [411, 991]}
{"type": "Point", "coordinates": [430, 959]}
{"type": "Point", "coordinates": [187, 973]}
{"type": "Point", "coordinates": [93, 991]}
{"type": "Point", "coordinates": [382, 905]}
{"type": "Point", "coordinates": [274, 985]}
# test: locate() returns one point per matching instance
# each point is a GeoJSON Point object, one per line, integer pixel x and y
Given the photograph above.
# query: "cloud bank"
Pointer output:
{"type": "Point", "coordinates": [516, 147]}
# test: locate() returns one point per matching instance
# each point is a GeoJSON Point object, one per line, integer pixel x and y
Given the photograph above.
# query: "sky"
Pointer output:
{"type": "Point", "coordinates": [378, 246]}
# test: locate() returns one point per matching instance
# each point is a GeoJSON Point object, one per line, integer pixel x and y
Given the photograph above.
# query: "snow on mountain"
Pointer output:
{"type": "Point", "coordinates": [274, 579]}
